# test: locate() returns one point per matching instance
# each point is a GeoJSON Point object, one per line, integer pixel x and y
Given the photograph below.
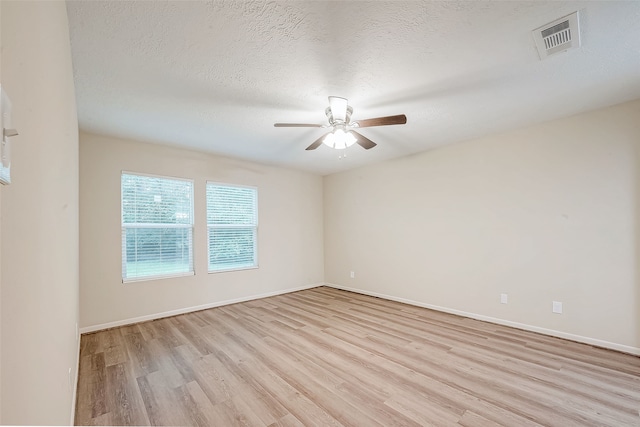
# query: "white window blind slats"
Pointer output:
{"type": "Point", "coordinates": [231, 247]}
{"type": "Point", "coordinates": [157, 227]}
{"type": "Point", "coordinates": [231, 205]}
{"type": "Point", "coordinates": [148, 199]}
{"type": "Point", "coordinates": [232, 223]}
{"type": "Point", "coordinates": [156, 252]}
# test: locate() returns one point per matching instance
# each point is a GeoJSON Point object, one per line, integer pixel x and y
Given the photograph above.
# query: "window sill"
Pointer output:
{"type": "Point", "coordinates": [160, 277]}
{"type": "Point", "coordinates": [226, 270]}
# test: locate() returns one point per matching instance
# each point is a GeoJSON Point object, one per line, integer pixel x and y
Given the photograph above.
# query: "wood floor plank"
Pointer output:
{"type": "Point", "coordinates": [138, 351]}
{"type": "Point", "coordinates": [288, 396]}
{"type": "Point", "coordinates": [551, 381]}
{"type": "Point", "coordinates": [123, 395]}
{"type": "Point", "coordinates": [322, 389]}
{"type": "Point", "coordinates": [470, 419]}
{"type": "Point", "coordinates": [422, 412]}
{"type": "Point", "coordinates": [465, 380]}
{"type": "Point", "coordinates": [217, 382]}
{"type": "Point", "coordinates": [287, 421]}
{"type": "Point", "coordinates": [159, 400]}
{"type": "Point", "coordinates": [328, 357]}
{"type": "Point", "coordinates": [198, 408]}
{"type": "Point", "coordinates": [258, 405]}
{"type": "Point", "coordinates": [190, 331]}
{"type": "Point", "coordinates": [242, 412]}
{"type": "Point", "coordinates": [263, 402]}
{"type": "Point", "coordinates": [91, 384]}
{"type": "Point", "coordinates": [102, 420]}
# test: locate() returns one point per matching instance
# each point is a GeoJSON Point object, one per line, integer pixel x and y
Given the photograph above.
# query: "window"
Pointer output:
{"type": "Point", "coordinates": [157, 227]}
{"type": "Point", "coordinates": [232, 223]}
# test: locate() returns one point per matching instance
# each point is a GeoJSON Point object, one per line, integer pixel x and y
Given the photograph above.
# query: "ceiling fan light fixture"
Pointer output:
{"type": "Point", "coordinates": [343, 136]}
{"type": "Point", "coordinates": [339, 139]}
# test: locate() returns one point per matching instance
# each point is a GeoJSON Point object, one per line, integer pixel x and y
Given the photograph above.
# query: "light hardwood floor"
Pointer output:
{"type": "Point", "coordinates": [328, 358]}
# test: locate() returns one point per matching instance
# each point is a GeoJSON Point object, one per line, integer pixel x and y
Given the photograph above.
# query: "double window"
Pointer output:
{"type": "Point", "coordinates": [157, 227]}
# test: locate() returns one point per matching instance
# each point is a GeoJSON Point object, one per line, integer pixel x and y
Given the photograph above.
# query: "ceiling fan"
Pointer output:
{"type": "Point", "coordinates": [342, 134]}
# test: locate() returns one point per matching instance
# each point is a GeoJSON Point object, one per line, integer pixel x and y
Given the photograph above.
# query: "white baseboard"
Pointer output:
{"type": "Point", "coordinates": [559, 334]}
{"type": "Point", "coordinates": [130, 321]}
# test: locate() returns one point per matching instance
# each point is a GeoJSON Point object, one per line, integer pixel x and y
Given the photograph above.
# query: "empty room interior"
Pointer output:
{"type": "Point", "coordinates": [294, 213]}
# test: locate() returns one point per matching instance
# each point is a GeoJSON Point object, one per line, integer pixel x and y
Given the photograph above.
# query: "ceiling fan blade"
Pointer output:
{"type": "Point", "coordinates": [338, 108]}
{"type": "Point", "coordinates": [363, 141]}
{"type": "Point", "coordinates": [296, 125]}
{"type": "Point", "coordinates": [317, 142]}
{"type": "Point", "coordinates": [383, 121]}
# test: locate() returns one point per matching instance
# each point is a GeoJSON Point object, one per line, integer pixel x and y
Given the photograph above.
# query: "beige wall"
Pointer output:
{"type": "Point", "coordinates": [289, 233]}
{"type": "Point", "coordinates": [550, 212]}
{"type": "Point", "coordinates": [39, 249]}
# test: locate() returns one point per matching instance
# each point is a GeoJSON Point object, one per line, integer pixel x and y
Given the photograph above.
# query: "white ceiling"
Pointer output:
{"type": "Point", "coordinates": [215, 75]}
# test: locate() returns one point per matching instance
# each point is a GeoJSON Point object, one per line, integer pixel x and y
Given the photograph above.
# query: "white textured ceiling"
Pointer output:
{"type": "Point", "coordinates": [216, 75]}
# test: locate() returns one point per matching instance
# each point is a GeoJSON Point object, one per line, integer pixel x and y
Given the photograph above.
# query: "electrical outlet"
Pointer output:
{"type": "Point", "coordinates": [504, 298]}
{"type": "Point", "coordinates": [353, 274]}
{"type": "Point", "coordinates": [557, 307]}
{"type": "Point", "coordinates": [70, 381]}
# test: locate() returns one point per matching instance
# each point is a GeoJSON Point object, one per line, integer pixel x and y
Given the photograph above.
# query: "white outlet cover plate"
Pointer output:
{"type": "Point", "coordinates": [557, 307]}
{"type": "Point", "coordinates": [504, 298]}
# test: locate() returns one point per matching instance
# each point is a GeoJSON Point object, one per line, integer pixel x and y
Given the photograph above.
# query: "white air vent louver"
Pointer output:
{"type": "Point", "coordinates": [558, 36]}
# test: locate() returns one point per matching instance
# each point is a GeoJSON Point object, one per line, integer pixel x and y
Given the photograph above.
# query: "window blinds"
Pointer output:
{"type": "Point", "coordinates": [157, 227]}
{"type": "Point", "coordinates": [232, 223]}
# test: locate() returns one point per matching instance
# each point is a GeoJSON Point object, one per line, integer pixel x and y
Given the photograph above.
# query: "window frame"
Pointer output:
{"type": "Point", "coordinates": [124, 226]}
{"type": "Point", "coordinates": [256, 263]}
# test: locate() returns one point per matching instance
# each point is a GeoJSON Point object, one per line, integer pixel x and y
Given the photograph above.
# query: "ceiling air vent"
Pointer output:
{"type": "Point", "coordinates": [558, 36]}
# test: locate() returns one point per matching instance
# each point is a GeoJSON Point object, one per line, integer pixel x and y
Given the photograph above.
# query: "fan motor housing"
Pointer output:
{"type": "Point", "coordinates": [334, 122]}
